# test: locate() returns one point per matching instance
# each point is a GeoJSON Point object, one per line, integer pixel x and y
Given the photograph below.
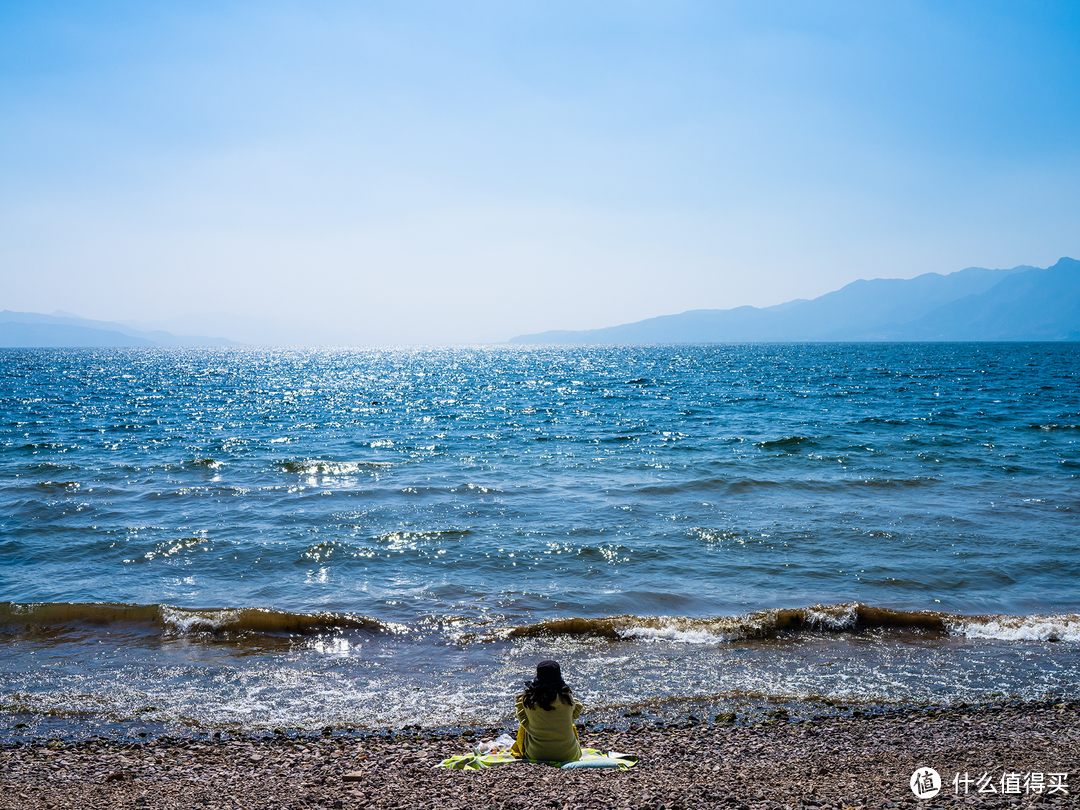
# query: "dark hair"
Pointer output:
{"type": "Point", "coordinates": [546, 687]}
{"type": "Point", "coordinates": [544, 696]}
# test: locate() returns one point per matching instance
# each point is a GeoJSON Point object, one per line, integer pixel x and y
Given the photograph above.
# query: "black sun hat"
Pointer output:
{"type": "Point", "coordinates": [548, 673]}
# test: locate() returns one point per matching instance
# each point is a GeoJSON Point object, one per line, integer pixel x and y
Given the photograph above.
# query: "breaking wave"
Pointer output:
{"type": "Point", "coordinates": [166, 619]}
{"type": "Point", "coordinates": [852, 617]}
{"type": "Point", "coordinates": [848, 618]}
{"type": "Point", "coordinates": [331, 468]}
{"type": "Point", "coordinates": [1059, 627]}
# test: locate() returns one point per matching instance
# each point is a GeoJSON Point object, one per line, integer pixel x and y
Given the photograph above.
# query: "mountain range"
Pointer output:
{"type": "Point", "coordinates": [1024, 303]}
{"type": "Point", "coordinates": [62, 329]}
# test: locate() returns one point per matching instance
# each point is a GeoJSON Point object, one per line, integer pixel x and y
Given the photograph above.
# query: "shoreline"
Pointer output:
{"type": "Point", "coordinates": [824, 761]}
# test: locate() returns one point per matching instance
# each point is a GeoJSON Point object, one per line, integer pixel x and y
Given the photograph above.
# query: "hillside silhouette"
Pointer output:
{"type": "Point", "coordinates": [1023, 303]}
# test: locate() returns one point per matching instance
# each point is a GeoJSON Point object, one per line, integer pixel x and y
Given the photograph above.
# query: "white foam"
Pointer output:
{"type": "Point", "coordinates": [673, 633]}
{"type": "Point", "coordinates": [1021, 628]}
{"type": "Point", "coordinates": [338, 647]}
{"type": "Point", "coordinates": [336, 468]}
{"type": "Point", "coordinates": [830, 620]}
{"type": "Point", "coordinates": [186, 621]}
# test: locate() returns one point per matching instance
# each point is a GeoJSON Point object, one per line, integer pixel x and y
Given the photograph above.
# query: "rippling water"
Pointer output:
{"type": "Point", "coordinates": [375, 537]}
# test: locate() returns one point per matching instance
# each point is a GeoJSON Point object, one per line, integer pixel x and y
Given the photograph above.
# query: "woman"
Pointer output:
{"type": "Point", "coordinates": [546, 712]}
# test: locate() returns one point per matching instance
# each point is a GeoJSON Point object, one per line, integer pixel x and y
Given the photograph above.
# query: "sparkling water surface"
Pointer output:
{"type": "Point", "coordinates": [455, 496]}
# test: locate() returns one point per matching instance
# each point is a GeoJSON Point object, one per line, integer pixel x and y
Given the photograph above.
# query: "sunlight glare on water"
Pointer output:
{"type": "Point", "coordinates": [401, 517]}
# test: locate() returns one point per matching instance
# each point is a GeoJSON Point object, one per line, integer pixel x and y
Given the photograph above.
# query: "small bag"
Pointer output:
{"type": "Point", "coordinates": [501, 743]}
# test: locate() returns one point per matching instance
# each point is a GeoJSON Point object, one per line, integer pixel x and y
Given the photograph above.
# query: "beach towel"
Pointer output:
{"type": "Point", "coordinates": [590, 758]}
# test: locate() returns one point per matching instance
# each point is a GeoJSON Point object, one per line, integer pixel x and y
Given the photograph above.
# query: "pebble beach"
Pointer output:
{"type": "Point", "coordinates": [996, 755]}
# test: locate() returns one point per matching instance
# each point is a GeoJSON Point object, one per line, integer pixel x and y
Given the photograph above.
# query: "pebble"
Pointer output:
{"type": "Point", "coordinates": [849, 763]}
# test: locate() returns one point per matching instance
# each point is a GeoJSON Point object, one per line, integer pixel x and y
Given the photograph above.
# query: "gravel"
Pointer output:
{"type": "Point", "coordinates": [817, 762]}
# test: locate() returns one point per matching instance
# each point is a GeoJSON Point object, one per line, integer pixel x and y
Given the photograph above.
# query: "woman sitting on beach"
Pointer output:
{"type": "Point", "coordinates": [546, 712]}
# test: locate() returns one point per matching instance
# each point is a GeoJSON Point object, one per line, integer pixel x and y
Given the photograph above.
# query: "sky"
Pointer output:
{"type": "Point", "coordinates": [455, 172]}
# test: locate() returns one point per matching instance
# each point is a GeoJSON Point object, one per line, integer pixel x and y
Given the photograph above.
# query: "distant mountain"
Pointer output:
{"type": "Point", "coordinates": [62, 329]}
{"type": "Point", "coordinates": [249, 330]}
{"type": "Point", "coordinates": [1024, 303]}
{"type": "Point", "coordinates": [1039, 304]}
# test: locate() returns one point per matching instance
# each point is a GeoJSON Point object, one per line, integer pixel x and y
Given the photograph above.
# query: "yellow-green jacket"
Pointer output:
{"type": "Point", "coordinates": [548, 735]}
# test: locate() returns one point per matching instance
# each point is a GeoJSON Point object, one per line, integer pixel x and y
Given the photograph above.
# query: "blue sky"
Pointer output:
{"type": "Point", "coordinates": [385, 172]}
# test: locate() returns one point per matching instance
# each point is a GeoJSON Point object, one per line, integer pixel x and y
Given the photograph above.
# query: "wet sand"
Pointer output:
{"type": "Point", "coordinates": [823, 762]}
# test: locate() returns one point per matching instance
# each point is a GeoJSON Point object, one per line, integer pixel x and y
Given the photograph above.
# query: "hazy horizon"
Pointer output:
{"type": "Point", "coordinates": [436, 173]}
{"type": "Point", "coordinates": [252, 331]}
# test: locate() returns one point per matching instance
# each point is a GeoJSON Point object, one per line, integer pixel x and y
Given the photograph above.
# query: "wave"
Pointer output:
{"type": "Point", "coordinates": [848, 618]}
{"type": "Point", "coordinates": [316, 467]}
{"type": "Point", "coordinates": [208, 463]}
{"type": "Point", "coordinates": [57, 486]}
{"type": "Point", "coordinates": [741, 486]}
{"type": "Point", "coordinates": [852, 617]}
{"type": "Point", "coordinates": [882, 420]}
{"type": "Point", "coordinates": [786, 443]}
{"type": "Point", "coordinates": [1059, 627]}
{"type": "Point", "coordinates": [169, 620]}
